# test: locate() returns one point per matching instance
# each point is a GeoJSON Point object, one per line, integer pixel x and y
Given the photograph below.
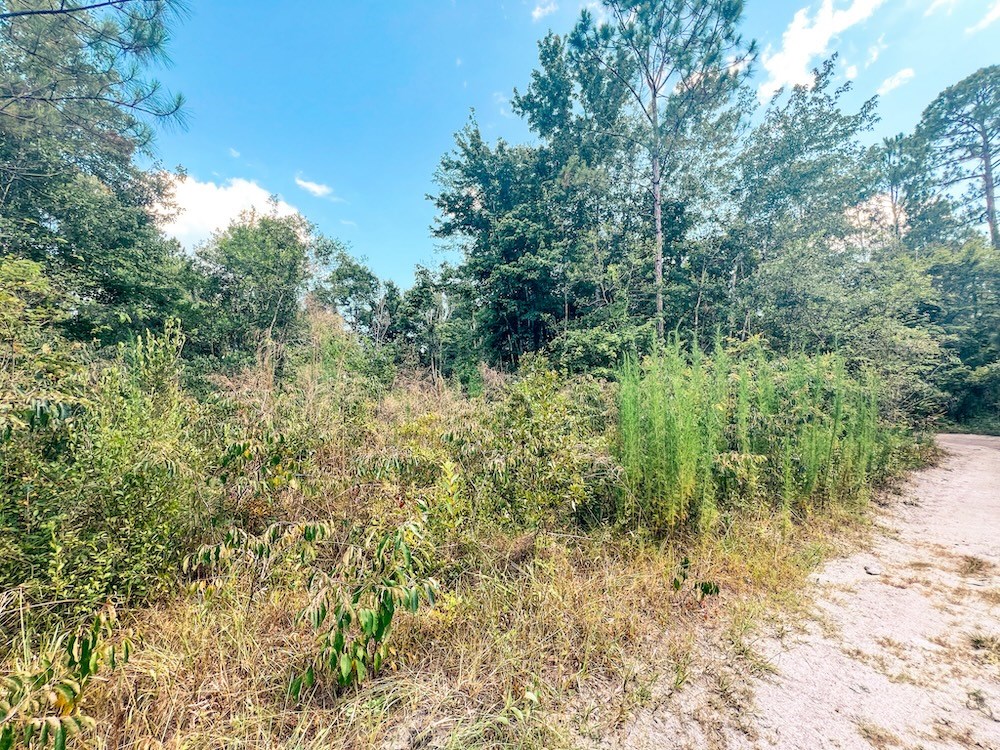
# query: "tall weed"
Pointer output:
{"type": "Point", "coordinates": [700, 434]}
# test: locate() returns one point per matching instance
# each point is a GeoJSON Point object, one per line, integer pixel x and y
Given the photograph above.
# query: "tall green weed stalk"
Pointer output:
{"type": "Point", "coordinates": [702, 434]}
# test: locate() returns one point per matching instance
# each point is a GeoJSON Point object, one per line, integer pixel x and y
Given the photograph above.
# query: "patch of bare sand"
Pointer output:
{"type": "Point", "coordinates": [905, 654]}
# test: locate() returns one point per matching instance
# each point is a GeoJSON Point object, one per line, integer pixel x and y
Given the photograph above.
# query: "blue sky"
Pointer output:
{"type": "Point", "coordinates": [344, 109]}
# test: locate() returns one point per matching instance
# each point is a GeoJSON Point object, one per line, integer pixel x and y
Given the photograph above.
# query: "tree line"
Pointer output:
{"type": "Point", "coordinates": [655, 196]}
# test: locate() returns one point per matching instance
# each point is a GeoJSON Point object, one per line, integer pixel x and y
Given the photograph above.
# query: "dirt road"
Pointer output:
{"type": "Point", "coordinates": [910, 656]}
{"type": "Point", "coordinates": [903, 648]}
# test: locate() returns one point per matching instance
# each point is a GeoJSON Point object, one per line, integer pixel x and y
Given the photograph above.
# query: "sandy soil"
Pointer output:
{"type": "Point", "coordinates": [903, 649]}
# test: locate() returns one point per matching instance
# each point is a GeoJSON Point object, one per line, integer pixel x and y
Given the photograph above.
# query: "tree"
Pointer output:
{"type": "Point", "coordinates": [895, 171]}
{"type": "Point", "coordinates": [967, 278]}
{"type": "Point", "coordinates": [79, 69]}
{"type": "Point", "coordinates": [62, 9]}
{"type": "Point", "coordinates": [803, 166]}
{"type": "Point", "coordinates": [257, 272]}
{"type": "Point", "coordinates": [921, 216]}
{"type": "Point", "coordinates": [424, 313]}
{"type": "Point", "coordinates": [73, 96]}
{"type": "Point", "coordinates": [102, 248]}
{"type": "Point", "coordinates": [557, 235]}
{"type": "Point", "coordinates": [678, 60]}
{"type": "Point", "coordinates": [75, 110]}
{"type": "Point", "coordinates": [962, 129]}
{"type": "Point", "coordinates": [35, 362]}
{"type": "Point", "coordinates": [367, 304]}
{"type": "Point", "coordinates": [493, 201]}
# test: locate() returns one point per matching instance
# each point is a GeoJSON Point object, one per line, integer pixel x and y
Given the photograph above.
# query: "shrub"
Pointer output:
{"type": "Point", "coordinates": [353, 601]}
{"type": "Point", "coordinates": [41, 702]}
{"type": "Point", "coordinates": [544, 458]}
{"type": "Point", "coordinates": [102, 501]}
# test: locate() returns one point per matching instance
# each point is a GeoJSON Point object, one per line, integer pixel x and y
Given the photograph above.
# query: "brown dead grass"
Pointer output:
{"type": "Point", "coordinates": [987, 647]}
{"type": "Point", "coordinates": [970, 565]}
{"type": "Point", "coordinates": [878, 737]}
{"type": "Point", "coordinates": [540, 617]}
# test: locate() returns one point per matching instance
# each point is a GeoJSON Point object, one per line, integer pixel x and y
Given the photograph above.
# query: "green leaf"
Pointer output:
{"type": "Point", "coordinates": [345, 668]}
{"type": "Point", "coordinates": [367, 619]}
{"type": "Point", "coordinates": [383, 623]}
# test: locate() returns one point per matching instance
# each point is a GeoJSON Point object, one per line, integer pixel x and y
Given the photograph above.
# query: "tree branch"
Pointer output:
{"type": "Point", "coordinates": [61, 11]}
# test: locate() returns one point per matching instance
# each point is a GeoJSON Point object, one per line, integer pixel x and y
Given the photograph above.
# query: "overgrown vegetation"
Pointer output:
{"type": "Point", "coordinates": [501, 551]}
{"type": "Point", "coordinates": [274, 501]}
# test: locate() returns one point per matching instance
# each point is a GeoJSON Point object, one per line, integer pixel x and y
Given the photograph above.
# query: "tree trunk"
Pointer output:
{"type": "Point", "coordinates": [658, 249]}
{"type": "Point", "coordinates": [657, 216]}
{"type": "Point", "coordinates": [990, 187]}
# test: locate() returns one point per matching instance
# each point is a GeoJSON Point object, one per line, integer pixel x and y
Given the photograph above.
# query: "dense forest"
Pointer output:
{"type": "Point", "coordinates": [254, 495]}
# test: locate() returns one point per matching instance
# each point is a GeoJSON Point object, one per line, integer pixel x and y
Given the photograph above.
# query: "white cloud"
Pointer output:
{"type": "Point", "coordinates": [937, 5]}
{"type": "Point", "coordinates": [234, 153]}
{"type": "Point", "coordinates": [875, 51]}
{"type": "Point", "coordinates": [851, 72]}
{"type": "Point", "coordinates": [317, 189]}
{"type": "Point", "coordinates": [205, 207]}
{"type": "Point", "coordinates": [894, 81]}
{"type": "Point", "coordinates": [596, 10]}
{"type": "Point", "coordinates": [544, 9]}
{"type": "Point", "coordinates": [991, 17]}
{"type": "Point", "coordinates": [807, 38]}
{"type": "Point", "coordinates": [503, 103]}
{"type": "Point", "coordinates": [458, 62]}
{"type": "Point", "coordinates": [349, 223]}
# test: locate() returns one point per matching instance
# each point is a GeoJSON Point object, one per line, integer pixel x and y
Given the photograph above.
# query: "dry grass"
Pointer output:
{"type": "Point", "coordinates": [990, 595]}
{"type": "Point", "coordinates": [987, 647]}
{"type": "Point", "coordinates": [526, 628]}
{"type": "Point", "coordinates": [211, 673]}
{"type": "Point", "coordinates": [970, 565]}
{"type": "Point", "coordinates": [878, 737]}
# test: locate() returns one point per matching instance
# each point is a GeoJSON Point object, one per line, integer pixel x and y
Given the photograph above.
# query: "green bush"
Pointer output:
{"type": "Point", "coordinates": [102, 502]}
{"type": "Point", "coordinates": [543, 458]}
{"type": "Point", "coordinates": [352, 601]}
{"type": "Point", "coordinates": [982, 399]}
{"type": "Point", "coordinates": [41, 700]}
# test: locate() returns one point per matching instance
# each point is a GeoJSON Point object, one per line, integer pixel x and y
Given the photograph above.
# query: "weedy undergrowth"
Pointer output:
{"type": "Point", "coordinates": [352, 600]}
{"type": "Point", "coordinates": [701, 435]}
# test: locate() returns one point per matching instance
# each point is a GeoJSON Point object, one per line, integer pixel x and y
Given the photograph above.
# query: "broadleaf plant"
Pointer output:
{"type": "Point", "coordinates": [352, 604]}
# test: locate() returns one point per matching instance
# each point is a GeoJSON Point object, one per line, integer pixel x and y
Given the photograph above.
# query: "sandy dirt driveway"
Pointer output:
{"type": "Point", "coordinates": [904, 649]}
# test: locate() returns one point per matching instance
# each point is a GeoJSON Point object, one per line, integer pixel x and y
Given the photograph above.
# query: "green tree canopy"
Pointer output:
{"type": "Point", "coordinates": [257, 272]}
